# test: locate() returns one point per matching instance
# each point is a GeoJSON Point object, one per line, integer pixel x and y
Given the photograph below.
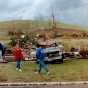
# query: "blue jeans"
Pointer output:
{"type": "Point", "coordinates": [42, 65]}
{"type": "Point", "coordinates": [18, 63]}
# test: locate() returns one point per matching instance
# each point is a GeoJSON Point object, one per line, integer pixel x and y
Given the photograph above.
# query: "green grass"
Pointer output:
{"type": "Point", "coordinates": [69, 70]}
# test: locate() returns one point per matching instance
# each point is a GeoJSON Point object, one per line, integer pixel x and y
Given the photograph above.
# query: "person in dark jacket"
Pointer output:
{"type": "Point", "coordinates": [3, 51]}
{"type": "Point", "coordinates": [1, 48]}
{"type": "Point", "coordinates": [40, 56]}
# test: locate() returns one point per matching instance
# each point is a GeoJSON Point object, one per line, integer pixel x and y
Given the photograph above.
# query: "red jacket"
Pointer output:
{"type": "Point", "coordinates": [18, 54]}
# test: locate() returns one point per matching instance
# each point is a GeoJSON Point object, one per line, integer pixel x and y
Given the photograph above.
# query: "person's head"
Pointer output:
{"type": "Point", "coordinates": [37, 45]}
{"type": "Point", "coordinates": [17, 46]}
{"type": "Point", "coordinates": [41, 46]}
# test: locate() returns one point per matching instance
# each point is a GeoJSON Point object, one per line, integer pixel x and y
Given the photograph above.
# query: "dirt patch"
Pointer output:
{"type": "Point", "coordinates": [3, 78]}
{"type": "Point", "coordinates": [62, 33]}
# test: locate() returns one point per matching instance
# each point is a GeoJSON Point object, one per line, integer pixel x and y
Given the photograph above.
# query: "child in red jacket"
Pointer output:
{"type": "Point", "coordinates": [18, 56]}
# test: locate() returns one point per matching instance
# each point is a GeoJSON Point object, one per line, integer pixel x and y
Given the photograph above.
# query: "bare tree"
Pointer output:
{"type": "Point", "coordinates": [53, 18]}
{"type": "Point", "coordinates": [50, 22]}
{"type": "Point", "coordinates": [36, 21]}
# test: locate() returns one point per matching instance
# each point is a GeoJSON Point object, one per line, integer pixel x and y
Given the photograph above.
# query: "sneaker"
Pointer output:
{"type": "Point", "coordinates": [20, 70]}
{"type": "Point", "coordinates": [48, 73]}
{"type": "Point", "coordinates": [36, 72]}
{"type": "Point", "coordinates": [16, 68]}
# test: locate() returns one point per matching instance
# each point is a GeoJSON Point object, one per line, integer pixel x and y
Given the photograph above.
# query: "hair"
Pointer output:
{"type": "Point", "coordinates": [38, 45]}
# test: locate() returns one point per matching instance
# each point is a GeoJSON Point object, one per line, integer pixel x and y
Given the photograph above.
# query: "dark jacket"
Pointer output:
{"type": "Point", "coordinates": [1, 48]}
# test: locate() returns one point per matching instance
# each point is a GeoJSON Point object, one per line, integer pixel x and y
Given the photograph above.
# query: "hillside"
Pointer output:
{"type": "Point", "coordinates": [34, 27]}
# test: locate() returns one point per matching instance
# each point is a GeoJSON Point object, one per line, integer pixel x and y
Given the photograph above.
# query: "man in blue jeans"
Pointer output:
{"type": "Point", "coordinates": [40, 56]}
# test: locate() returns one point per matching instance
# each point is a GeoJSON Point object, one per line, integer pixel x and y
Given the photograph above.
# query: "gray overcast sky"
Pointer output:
{"type": "Point", "coordinates": [67, 11]}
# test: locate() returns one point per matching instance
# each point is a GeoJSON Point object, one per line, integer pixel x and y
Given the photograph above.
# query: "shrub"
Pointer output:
{"type": "Point", "coordinates": [13, 41]}
{"type": "Point", "coordinates": [84, 53]}
{"type": "Point", "coordinates": [26, 40]}
{"type": "Point", "coordinates": [10, 32]}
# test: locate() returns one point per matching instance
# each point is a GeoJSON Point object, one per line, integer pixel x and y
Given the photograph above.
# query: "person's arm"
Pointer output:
{"type": "Point", "coordinates": [21, 54]}
{"type": "Point", "coordinates": [37, 53]}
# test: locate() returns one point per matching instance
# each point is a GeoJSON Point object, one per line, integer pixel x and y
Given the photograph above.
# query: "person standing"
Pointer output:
{"type": "Point", "coordinates": [18, 56]}
{"type": "Point", "coordinates": [1, 48]}
{"type": "Point", "coordinates": [3, 51]}
{"type": "Point", "coordinates": [40, 56]}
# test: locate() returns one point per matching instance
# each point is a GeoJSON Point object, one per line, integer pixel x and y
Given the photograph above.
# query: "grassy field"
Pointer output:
{"type": "Point", "coordinates": [69, 70]}
{"type": "Point", "coordinates": [37, 24]}
{"type": "Point", "coordinates": [34, 27]}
